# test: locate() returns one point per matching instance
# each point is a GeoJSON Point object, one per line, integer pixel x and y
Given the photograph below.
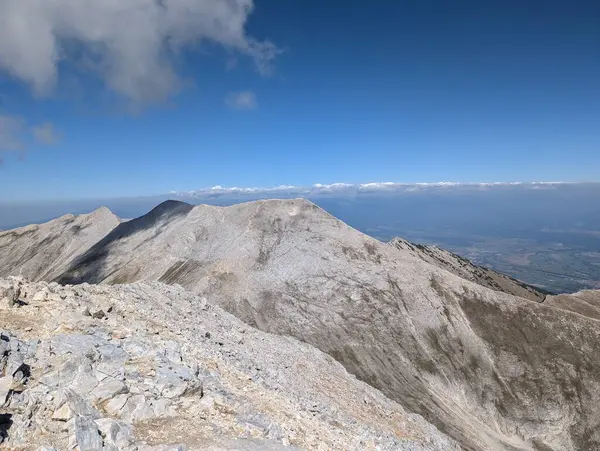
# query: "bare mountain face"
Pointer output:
{"type": "Point", "coordinates": [43, 252]}
{"type": "Point", "coordinates": [467, 270]}
{"type": "Point", "coordinates": [586, 303]}
{"type": "Point", "coordinates": [151, 367]}
{"type": "Point", "coordinates": [493, 370]}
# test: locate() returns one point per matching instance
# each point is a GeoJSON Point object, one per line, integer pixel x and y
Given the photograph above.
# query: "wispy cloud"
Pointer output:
{"type": "Point", "coordinates": [15, 134]}
{"type": "Point", "coordinates": [12, 129]}
{"type": "Point", "coordinates": [131, 45]}
{"type": "Point", "coordinates": [244, 100]}
{"type": "Point", "coordinates": [46, 134]}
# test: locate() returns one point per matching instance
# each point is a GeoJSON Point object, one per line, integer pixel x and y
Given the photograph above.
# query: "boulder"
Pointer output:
{"type": "Point", "coordinates": [11, 295]}
{"type": "Point", "coordinates": [137, 408]}
{"type": "Point", "coordinates": [87, 435]}
{"type": "Point", "coordinates": [63, 413]}
{"type": "Point", "coordinates": [40, 296]}
{"type": "Point", "coordinates": [114, 433]}
{"type": "Point", "coordinates": [108, 389]}
{"type": "Point", "coordinates": [114, 406]}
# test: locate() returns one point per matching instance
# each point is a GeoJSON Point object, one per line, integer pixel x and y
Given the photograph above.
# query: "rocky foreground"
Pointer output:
{"type": "Point", "coordinates": [152, 367]}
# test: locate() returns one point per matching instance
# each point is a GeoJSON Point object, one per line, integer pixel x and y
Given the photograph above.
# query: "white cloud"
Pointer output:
{"type": "Point", "coordinates": [356, 189]}
{"type": "Point", "coordinates": [131, 45]}
{"type": "Point", "coordinates": [244, 100]}
{"type": "Point", "coordinates": [46, 134]}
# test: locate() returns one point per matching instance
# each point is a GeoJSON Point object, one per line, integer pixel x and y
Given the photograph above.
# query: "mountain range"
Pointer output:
{"type": "Point", "coordinates": [491, 362]}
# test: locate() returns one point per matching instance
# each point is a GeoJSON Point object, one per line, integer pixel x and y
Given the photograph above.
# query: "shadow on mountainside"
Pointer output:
{"type": "Point", "coordinates": [95, 257]}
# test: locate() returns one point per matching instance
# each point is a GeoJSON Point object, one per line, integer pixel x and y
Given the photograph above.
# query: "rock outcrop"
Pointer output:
{"type": "Point", "coordinates": [493, 370]}
{"type": "Point", "coordinates": [466, 269]}
{"type": "Point", "coordinates": [44, 251]}
{"type": "Point", "coordinates": [151, 367]}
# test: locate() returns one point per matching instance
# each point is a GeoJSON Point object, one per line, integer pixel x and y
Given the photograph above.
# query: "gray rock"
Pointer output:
{"type": "Point", "coordinates": [75, 344]}
{"type": "Point", "coordinates": [274, 432]}
{"type": "Point", "coordinates": [112, 361]}
{"type": "Point", "coordinates": [87, 435]}
{"type": "Point", "coordinates": [163, 448]}
{"type": "Point", "coordinates": [63, 413]}
{"type": "Point", "coordinates": [206, 403]}
{"type": "Point", "coordinates": [137, 408]}
{"type": "Point", "coordinates": [14, 362]}
{"type": "Point", "coordinates": [114, 433]}
{"type": "Point", "coordinates": [76, 403]}
{"type": "Point", "coordinates": [172, 391]}
{"type": "Point", "coordinates": [11, 295]}
{"type": "Point", "coordinates": [114, 406]}
{"type": "Point", "coordinates": [78, 374]}
{"type": "Point", "coordinates": [108, 389]}
{"type": "Point", "coordinates": [40, 296]}
{"type": "Point", "coordinates": [5, 388]}
{"type": "Point", "coordinates": [175, 371]}
{"type": "Point", "coordinates": [99, 314]}
{"type": "Point", "coordinates": [162, 408]}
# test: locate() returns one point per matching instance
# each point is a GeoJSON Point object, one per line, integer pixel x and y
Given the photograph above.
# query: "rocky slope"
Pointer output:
{"type": "Point", "coordinates": [586, 303]}
{"type": "Point", "coordinates": [44, 251]}
{"type": "Point", "coordinates": [152, 367]}
{"type": "Point", "coordinates": [494, 371]}
{"type": "Point", "coordinates": [467, 270]}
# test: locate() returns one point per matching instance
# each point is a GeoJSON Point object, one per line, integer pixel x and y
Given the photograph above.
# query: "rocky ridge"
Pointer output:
{"type": "Point", "coordinates": [467, 270]}
{"type": "Point", "coordinates": [152, 367]}
{"type": "Point", "coordinates": [586, 303]}
{"type": "Point", "coordinates": [44, 251]}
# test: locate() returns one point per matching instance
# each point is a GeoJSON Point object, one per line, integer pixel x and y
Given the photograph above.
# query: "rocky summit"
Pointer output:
{"type": "Point", "coordinates": [448, 354]}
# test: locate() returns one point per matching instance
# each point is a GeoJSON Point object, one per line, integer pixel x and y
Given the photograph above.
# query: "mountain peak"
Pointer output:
{"type": "Point", "coordinates": [169, 206]}
{"type": "Point", "coordinates": [44, 251]}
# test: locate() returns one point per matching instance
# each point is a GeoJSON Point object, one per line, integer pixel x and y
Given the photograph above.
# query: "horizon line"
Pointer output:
{"type": "Point", "coordinates": [370, 186]}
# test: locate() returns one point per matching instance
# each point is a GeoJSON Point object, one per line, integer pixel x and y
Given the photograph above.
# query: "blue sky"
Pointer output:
{"type": "Point", "coordinates": [298, 92]}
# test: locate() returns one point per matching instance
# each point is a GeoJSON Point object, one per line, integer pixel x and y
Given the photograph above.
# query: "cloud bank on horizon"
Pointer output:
{"type": "Point", "coordinates": [339, 199]}
{"type": "Point", "coordinates": [350, 188]}
{"type": "Point", "coordinates": [132, 45]}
